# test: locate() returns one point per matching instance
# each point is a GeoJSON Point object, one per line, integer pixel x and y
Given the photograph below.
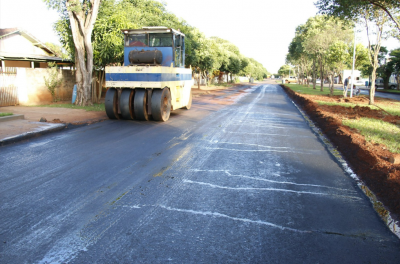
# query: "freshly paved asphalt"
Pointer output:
{"type": "Point", "coordinates": [247, 182]}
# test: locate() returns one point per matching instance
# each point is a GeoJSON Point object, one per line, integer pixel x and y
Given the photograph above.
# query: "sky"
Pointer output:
{"type": "Point", "coordinates": [261, 29]}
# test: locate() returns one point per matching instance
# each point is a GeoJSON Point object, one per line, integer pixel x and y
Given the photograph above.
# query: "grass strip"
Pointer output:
{"type": "Point", "coordinates": [393, 108]}
{"type": "Point", "coordinates": [309, 90]}
{"type": "Point", "coordinates": [5, 114]}
{"type": "Point", "coordinates": [388, 90]}
{"type": "Point", "coordinates": [94, 107]}
{"type": "Point", "coordinates": [377, 131]}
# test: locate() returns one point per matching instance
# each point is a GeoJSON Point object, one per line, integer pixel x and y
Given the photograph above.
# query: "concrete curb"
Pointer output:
{"type": "Point", "coordinates": [11, 117]}
{"type": "Point", "coordinates": [31, 134]}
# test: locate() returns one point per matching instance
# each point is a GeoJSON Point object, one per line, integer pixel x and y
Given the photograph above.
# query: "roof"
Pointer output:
{"type": "Point", "coordinates": [16, 56]}
{"type": "Point", "coordinates": [4, 32]}
{"type": "Point", "coordinates": [145, 30]}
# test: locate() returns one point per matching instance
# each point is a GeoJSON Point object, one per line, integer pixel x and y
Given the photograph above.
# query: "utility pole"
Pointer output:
{"type": "Point", "coordinates": [354, 60]}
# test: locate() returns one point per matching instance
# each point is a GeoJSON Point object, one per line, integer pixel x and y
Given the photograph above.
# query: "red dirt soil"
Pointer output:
{"type": "Point", "coordinates": [369, 161]}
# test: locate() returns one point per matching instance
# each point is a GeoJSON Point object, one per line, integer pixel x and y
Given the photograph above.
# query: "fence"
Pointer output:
{"type": "Point", "coordinates": [8, 87]}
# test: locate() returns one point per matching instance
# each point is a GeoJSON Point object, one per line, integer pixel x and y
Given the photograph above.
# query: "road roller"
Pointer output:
{"type": "Point", "coordinates": [153, 80]}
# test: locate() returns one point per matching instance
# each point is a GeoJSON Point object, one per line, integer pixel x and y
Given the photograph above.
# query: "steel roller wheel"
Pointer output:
{"type": "Point", "coordinates": [161, 104]}
{"type": "Point", "coordinates": [189, 105]}
{"type": "Point", "coordinates": [126, 104]}
{"type": "Point", "coordinates": [111, 103]}
{"type": "Point", "coordinates": [140, 105]}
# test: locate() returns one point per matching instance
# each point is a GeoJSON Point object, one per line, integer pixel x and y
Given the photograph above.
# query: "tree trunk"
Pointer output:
{"type": "Point", "coordinates": [82, 22]}
{"type": "Point", "coordinates": [101, 82]}
{"type": "Point", "coordinates": [314, 75]}
{"type": "Point", "coordinates": [321, 68]}
{"type": "Point", "coordinates": [373, 77]}
{"type": "Point", "coordinates": [331, 84]}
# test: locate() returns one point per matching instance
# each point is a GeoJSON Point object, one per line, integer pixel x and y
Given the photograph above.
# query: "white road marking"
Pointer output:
{"type": "Point", "coordinates": [257, 145]}
{"type": "Point", "coordinates": [267, 189]}
{"type": "Point", "coordinates": [215, 214]}
{"type": "Point", "coordinates": [254, 150]}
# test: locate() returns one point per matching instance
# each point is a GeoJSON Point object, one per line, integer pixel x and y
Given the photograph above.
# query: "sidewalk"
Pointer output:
{"type": "Point", "coordinates": [30, 126]}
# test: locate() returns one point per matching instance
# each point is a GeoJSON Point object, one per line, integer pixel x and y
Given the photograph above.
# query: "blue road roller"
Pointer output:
{"type": "Point", "coordinates": [153, 80]}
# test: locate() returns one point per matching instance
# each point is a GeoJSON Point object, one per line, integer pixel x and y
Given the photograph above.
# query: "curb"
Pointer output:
{"type": "Point", "coordinates": [51, 128]}
{"type": "Point", "coordinates": [11, 117]}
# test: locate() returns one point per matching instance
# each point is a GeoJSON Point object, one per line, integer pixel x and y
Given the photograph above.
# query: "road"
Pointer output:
{"type": "Point", "coordinates": [383, 95]}
{"type": "Point", "coordinates": [238, 178]}
{"type": "Point", "coordinates": [365, 91]}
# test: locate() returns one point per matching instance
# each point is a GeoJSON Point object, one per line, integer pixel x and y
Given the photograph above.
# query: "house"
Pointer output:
{"type": "Point", "coordinates": [19, 49]}
{"type": "Point", "coordinates": [23, 67]}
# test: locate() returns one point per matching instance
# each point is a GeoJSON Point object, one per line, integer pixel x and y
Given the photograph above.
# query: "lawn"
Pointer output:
{"type": "Point", "coordinates": [377, 131]}
{"type": "Point", "coordinates": [309, 90]}
{"type": "Point", "coordinates": [388, 90]}
{"type": "Point", "coordinates": [94, 107]}
{"type": "Point", "coordinates": [390, 107]}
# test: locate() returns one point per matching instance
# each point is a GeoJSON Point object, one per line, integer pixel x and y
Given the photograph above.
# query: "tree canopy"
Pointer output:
{"type": "Point", "coordinates": [352, 9]}
{"type": "Point", "coordinates": [205, 55]}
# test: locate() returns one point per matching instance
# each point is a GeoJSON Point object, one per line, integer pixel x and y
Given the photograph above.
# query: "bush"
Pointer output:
{"type": "Point", "coordinates": [53, 81]}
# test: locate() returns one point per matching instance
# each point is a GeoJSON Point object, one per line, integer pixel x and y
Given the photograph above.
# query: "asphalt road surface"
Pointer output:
{"type": "Point", "coordinates": [383, 95]}
{"type": "Point", "coordinates": [240, 180]}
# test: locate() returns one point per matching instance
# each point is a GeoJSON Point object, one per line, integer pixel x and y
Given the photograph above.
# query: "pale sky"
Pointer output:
{"type": "Point", "coordinates": [262, 29]}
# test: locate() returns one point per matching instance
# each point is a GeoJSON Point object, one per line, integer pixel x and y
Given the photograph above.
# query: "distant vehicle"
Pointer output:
{"type": "Point", "coordinates": [291, 79]}
{"type": "Point", "coordinates": [379, 84]}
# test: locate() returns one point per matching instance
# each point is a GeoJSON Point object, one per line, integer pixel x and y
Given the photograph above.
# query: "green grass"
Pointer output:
{"type": "Point", "coordinates": [393, 109]}
{"type": "Point", "coordinates": [222, 84]}
{"type": "Point", "coordinates": [377, 131]}
{"type": "Point", "coordinates": [388, 90]}
{"type": "Point", "coordinates": [5, 114]}
{"type": "Point", "coordinates": [94, 107]}
{"type": "Point", "coordinates": [309, 90]}
{"type": "Point", "coordinates": [335, 103]}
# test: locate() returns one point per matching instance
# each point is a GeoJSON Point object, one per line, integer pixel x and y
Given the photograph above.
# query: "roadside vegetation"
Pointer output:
{"type": "Point", "coordinates": [377, 131]}
{"type": "Point", "coordinates": [309, 90]}
{"type": "Point", "coordinates": [5, 114]}
{"type": "Point", "coordinates": [389, 91]}
{"type": "Point", "coordinates": [210, 58]}
{"type": "Point", "coordinates": [390, 107]}
{"type": "Point", "coordinates": [93, 107]}
{"type": "Point", "coordinates": [374, 130]}
{"type": "Point", "coordinates": [323, 47]}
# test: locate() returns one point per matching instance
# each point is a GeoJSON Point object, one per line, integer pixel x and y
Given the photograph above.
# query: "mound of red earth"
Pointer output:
{"type": "Point", "coordinates": [371, 162]}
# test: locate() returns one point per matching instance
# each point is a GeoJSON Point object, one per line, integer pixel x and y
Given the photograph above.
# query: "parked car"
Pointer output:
{"type": "Point", "coordinates": [291, 80]}
{"type": "Point", "coordinates": [379, 84]}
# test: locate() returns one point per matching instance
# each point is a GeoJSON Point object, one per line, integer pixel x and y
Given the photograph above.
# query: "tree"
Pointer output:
{"type": "Point", "coordinates": [82, 16]}
{"type": "Point", "coordinates": [379, 19]}
{"type": "Point", "coordinates": [378, 12]}
{"type": "Point", "coordinates": [312, 43]}
{"type": "Point", "coordinates": [58, 50]}
{"type": "Point", "coordinates": [285, 70]}
{"type": "Point", "coordinates": [338, 54]}
{"type": "Point", "coordinates": [394, 57]}
{"type": "Point", "coordinates": [351, 9]}
{"type": "Point", "coordinates": [361, 57]}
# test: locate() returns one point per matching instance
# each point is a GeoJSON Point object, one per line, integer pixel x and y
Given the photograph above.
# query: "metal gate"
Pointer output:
{"type": "Point", "coordinates": [8, 87]}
